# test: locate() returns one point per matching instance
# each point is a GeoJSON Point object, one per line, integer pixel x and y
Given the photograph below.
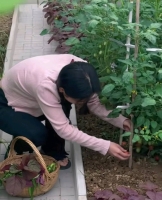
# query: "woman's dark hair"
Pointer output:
{"type": "Point", "coordinates": [79, 80]}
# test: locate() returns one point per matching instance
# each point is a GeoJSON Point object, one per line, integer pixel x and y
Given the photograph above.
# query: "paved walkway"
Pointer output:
{"type": "Point", "coordinates": [29, 44]}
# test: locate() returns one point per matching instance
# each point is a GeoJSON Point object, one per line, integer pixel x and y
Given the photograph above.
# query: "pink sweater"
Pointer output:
{"type": "Point", "coordinates": [30, 87]}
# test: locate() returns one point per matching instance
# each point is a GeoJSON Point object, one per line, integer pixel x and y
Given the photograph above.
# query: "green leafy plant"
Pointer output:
{"type": "Point", "coordinates": [96, 30]}
{"type": "Point", "coordinates": [29, 173]}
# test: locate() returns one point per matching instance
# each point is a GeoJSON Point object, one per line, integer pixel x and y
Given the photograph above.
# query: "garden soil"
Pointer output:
{"type": "Point", "coordinates": [105, 172]}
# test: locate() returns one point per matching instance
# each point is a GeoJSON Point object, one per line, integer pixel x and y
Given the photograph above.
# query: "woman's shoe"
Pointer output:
{"type": "Point", "coordinates": [67, 166]}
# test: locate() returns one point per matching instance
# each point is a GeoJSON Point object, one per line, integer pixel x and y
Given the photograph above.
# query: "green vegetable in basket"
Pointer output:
{"type": "Point", "coordinates": [51, 168]}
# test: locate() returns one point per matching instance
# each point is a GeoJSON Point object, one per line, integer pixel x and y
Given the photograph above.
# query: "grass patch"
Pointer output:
{"type": "Point", "coordinates": [5, 24]}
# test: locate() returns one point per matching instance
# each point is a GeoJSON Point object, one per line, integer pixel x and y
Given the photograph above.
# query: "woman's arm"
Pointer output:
{"type": "Point", "coordinates": [48, 100]}
{"type": "Point", "coordinates": [99, 110]}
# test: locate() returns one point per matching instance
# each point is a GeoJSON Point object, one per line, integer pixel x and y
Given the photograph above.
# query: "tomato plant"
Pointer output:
{"type": "Point", "coordinates": [96, 30]}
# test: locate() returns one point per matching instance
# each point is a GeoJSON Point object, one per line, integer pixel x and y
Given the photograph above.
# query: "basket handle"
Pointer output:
{"type": "Point", "coordinates": [12, 152]}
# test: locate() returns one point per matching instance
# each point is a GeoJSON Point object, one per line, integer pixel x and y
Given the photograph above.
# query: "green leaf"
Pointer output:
{"type": "Point", "coordinates": [58, 23]}
{"type": "Point", "coordinates": [127, 62]}
{"type": "Point", "coordinates": [121, 28]}
{"type": "Point", "coordinates": [154, 124]}
{"type": "Point", "coordinates": [127, 77]}
{"type": "Point", "coordinates": [148, 101]}
{"type": "Point", "coordinates": [88, 7]}
{"type": "Point", "coordinates": [159, 114]}
{"type": "Point", "coordinates": [96, 1]}
{"type": "Point", "coordinates": [113, 16]}
{"type": "Point", "coordinates": [156, 129]}
{"type": "Point", "coordinates": [130, 6]}
{"type": "Point", "coordinates": [103, 100]}
{"type": "Point", "coordinates": [146, 137]}
{"type": "Point", "coordinates": [31, 192]}
{"type": "Point", "coordinates": [68, 28]}
{"type": "Point", "coordinates": [136, 138]}
{"type": "Point", "coordinates": [160, 135]}
{"type": "Point", "coordinates": [151, 38]}
{"type": "Point", "coordinates": [114, 23]}
{"type": "Point", "coordinates": [128, 111]}
{"type": "Point", "coordinates": [115, 79]}
{"type": "Point", "coordinates": [34, 184]}
{"type": "Point", "coordinates": [116, 95]}
{"type": "Point", "coordinates": [155, 134]}
{"type": "Point", "coordinates": [104, 79]}
{"type": "Point", "coordinates": [147, 131]}
{"type": "Point", "coordinates": [96, 17]}
{"type": "Point", "coordinates": [140, 121]}
{"type": "Point", "coordinates": [142, 80]}
{"type": "Point", "coordinates": [72, 41]}
{"type": "Point", "coordinates": [115, 113]}
{"type": "Point", "coordinates": [129, 88]}
{"type": "Point", "coordinates": [126, 134]}
{"type": "Point", "coordinates": [142, 132]}
{"type": "Point", "coordinates": [137, 101]}
{"type": "Point", "coordinates": [160, 71]}
{"type": "Point", "coordinates": [147, 123]}
{"type": "Point", "coordinates": [108, 88]}
{"type": "Point", "coordinates": [112, 5]}
{"type": "Point", "coordinates": [136, 131]}
{"type": "Point", "coordinates": [155, 25]}
{"type": "Point", "coordinates": [149, 113]}
{"type": "Point", "coordinates": [44, 32]}
{"type": "Point", "coordinates": [93, 23]}
{"type": "Point", "coordinates": [158, 90]}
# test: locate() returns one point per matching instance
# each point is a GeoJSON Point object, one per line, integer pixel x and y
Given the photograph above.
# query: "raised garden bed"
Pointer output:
{"type": "Point", "coordinates": [104, 172]}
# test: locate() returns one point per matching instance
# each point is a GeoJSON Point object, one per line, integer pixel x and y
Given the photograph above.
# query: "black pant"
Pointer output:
{"type": "Point", "coordinates": [23, 124]}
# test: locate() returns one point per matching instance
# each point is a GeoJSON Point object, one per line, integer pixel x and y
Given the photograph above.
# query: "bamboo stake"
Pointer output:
{"type": "Point", "coordinates": [127, 57]}
{"type": "Point", "coordinates": [135, 79]}
{"type": "Point", "coordinates": [137, 28]}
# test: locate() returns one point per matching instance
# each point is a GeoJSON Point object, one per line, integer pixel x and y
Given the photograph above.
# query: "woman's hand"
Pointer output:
{"type": "Point", "coordinates": [127, 125]}
{"type": "Point", "coordinates": [117, 151]}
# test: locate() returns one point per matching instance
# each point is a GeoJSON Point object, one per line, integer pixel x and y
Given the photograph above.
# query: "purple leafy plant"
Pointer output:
{"type": "Point", "coordinates": [125, 193]}
{"type": "Point", "coordinates": [104, 194]}
{"type": "Point", "coordinates": [15, 184]}
{"type": "Point", "coordinates": [152, 191]}
{"type": "Point", "coordinates": [57, 15]}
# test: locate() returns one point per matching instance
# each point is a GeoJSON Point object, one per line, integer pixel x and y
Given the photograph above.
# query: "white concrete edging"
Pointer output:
{"type": "Point", "coordinates": [75, 148]}
{"type": "Point", "coordinates": [11, 41]}
{"type": "Point", "coordinates": [81, 191]}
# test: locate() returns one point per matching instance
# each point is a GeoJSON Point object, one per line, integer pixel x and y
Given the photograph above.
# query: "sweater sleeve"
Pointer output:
{"type": "Point", "coordinates": [99, 110]}
{"type": "Point", "coordinates": [49, 103]}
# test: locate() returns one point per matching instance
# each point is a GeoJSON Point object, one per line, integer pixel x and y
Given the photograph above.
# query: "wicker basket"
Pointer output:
{"type": "Point", "coordinates": [50, 178]}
